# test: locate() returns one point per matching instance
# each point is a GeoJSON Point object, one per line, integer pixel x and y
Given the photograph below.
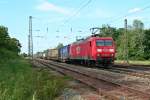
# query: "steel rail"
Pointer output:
{"type": "Point", "coordinates": [92, 75]}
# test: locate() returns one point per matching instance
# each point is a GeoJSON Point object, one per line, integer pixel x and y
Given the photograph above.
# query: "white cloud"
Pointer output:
{"type": "Point", "coordinates": [134, 10]}
{"type": "Point", "coordinates": [47, 6]}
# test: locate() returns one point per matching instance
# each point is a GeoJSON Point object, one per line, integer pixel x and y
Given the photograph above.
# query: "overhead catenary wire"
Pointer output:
{"type": "Point", "coordinates": [111, 21]}
{"type": "Point", "coordinates": [78, 11]}
{"type": "Point", "coordinates": [75, 12]}
{"type": "Point", "coordinates": [129, 14]}
{"type": "Point", "coordinates": [85, 4]}
{"type": "Point", "coordinates": [67, 20]}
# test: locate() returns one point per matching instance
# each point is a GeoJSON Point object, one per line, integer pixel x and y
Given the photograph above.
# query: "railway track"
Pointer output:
{"type": "Point", "coordinates": [106, 86]}
{"type": "Point", "coordinates": [135, 67]}
{"type": "Point", "coordinates": [139, 71]}
{"type": "Point", "coordinates": [132, 72]}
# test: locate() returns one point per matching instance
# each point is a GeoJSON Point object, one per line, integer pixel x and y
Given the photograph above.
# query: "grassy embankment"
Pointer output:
{"type": "Point", "coordinates": [19, 81]}
{"type": "Point", "coordinates": [135, 62]}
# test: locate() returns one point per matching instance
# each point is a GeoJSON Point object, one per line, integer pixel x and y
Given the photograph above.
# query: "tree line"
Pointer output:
{"type": "Point", "coordinates": [8, 46]}
{"type": "Point", "coordinates": [138, 44]}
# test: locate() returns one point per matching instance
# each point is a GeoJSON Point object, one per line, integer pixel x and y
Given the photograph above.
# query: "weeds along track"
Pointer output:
{"type": "Point", "coordinates": [104, 85]}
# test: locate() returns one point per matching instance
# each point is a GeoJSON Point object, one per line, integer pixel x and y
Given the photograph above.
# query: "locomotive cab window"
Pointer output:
{"type": "Point", "coordinates": [103, 42]}
{"type": "Point", "coordinates": [108, 42]}
{"type": "Point", "coordinates": [99, 42]}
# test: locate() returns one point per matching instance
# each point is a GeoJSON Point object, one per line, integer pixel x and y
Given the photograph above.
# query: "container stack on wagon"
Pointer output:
{"type": "Point", "coordinates": [52, 54]}
{"type": "Point", "coordinates": [64, 54]}
{"type": "Point", "coordinates": [39, 55]}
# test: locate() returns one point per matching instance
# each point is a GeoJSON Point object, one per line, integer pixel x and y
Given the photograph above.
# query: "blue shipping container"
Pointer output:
{"type": "Point", "coordinates": [64, 53]}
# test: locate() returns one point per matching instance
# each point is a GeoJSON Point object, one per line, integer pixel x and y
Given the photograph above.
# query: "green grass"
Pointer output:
{"type": "Point", "coordinates": [135, 62]}
{"type": "Point", "coordinates": [19, 81]}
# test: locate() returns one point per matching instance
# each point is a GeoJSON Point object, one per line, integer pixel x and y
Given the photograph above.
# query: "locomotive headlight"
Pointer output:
{"type": "Point", "coordinates": [98, 55]}
{"type": "Point", "coordinates": [99, 50]}
{"type": "Point", "coordinates": [111, 50]}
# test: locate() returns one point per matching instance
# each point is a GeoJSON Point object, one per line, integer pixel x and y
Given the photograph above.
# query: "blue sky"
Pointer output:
{"type": "Point", "coordinates": [54, 14]}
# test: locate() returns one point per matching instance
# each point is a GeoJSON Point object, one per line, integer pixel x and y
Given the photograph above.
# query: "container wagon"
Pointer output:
{"type": "Point", "coordinates": [52, 54]}
{"type": "Point", "coordinates": [64, 54]}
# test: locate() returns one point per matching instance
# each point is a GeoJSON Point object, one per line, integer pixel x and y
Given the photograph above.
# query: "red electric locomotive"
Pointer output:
{"type": "Point", "coordinates": [93, 50]}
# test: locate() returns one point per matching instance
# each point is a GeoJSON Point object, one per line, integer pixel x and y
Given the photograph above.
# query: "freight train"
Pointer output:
{"type": "Point", "coordinates": [90, 51]}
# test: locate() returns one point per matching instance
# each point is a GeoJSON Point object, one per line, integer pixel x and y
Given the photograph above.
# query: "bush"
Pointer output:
{"type": "Point", "coordinates": [7, 54]}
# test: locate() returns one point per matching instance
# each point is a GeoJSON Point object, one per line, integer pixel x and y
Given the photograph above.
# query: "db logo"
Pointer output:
{"type": "Point", "coordinates": [78, 50]}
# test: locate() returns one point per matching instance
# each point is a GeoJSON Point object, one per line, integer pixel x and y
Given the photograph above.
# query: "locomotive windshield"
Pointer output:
{"type": "Point", "coordinates": [103, 42]}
